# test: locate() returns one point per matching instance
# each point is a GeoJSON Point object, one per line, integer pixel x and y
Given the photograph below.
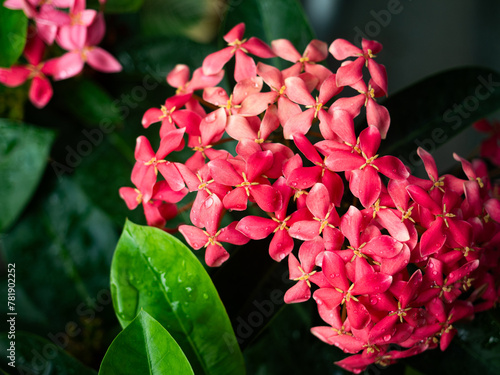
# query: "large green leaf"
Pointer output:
{"type": "Point", "coordinates": [36, 355]}
{"type": "Point", "coordinates": [122, 6]}
{"type": "Point", "coordinates": [23, 157]}
{"type": "Point", "coordinates": [431, 112]}
{"type": "Point", "coordinates": [13, 28]}
{"type": "Point", "coordinates": [62, 247]}
{"type": "Point", "coordinates": [144, 347]}
{"type": "Point", "coordinates": [154, 271]}
{"type": "Point", "coordinates": [270, 20]}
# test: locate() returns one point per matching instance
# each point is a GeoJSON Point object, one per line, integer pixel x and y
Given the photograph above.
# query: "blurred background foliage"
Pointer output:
{"type": "Point", "coordinates": [61, 168]}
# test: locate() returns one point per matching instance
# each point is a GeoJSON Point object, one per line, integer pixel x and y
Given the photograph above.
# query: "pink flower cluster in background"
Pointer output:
{"type": "Point", "coordinates": [74, 28]}
{"type": "Point", "coordinates": [392, 260]}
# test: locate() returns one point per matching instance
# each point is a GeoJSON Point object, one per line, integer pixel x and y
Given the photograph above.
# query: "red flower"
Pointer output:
{"type": "Point", "coordinates": [211, 237]}
{"type": "Point", "coordinates": [364, 165]}
{"type": "Point", "coordinates": [246, 177]}
{"type": "Point", "coordinates": [316, 51]}
{"type": "Point", "coordinates": [245, 66]}
{"type": "Point", "coordinates": [351, 73]}
{"type": "Point", "coordinates": [149, 163]}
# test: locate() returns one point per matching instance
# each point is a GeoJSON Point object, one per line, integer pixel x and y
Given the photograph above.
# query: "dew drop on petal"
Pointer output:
{"type": "Point", "coordinates": [211, 117]}
{"type": "Point", "coordinates": [387, 337]}
{"type": "Point", "coordinates": [209, 202]}
{"type": "Point", "coordinates": [282, 256]}
{"type": "Point", "coordinates": [373, 301]}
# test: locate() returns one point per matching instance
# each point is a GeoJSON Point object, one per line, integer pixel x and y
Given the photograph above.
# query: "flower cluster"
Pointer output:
{"type": "Point", "coordinates": [390, 272]}
{"type": "Point", "coordinates": [74, 28]}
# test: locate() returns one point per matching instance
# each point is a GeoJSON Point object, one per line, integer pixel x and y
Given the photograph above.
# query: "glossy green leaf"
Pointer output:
{"type": "Point", "coordinates": [270, 20]}
{"type": "Point", "coordinates": [92, 104]}
{"type": "Point", "coordinates": [24, 152]}
{"type": "Point", "coordinates": [154, 271]}
{"type": "Point", "coordinates": [144, 347]}
{"type": "Point", "coordinates": [433, 111]}
{"type": "Point", "coordinates": [37, 355]}
{"type": "Point", "coordinates": [122, 6]}
{"type": "Point", "coordinates": [62, 248]}
{"type": "Point", "coordinates": [13, 29]}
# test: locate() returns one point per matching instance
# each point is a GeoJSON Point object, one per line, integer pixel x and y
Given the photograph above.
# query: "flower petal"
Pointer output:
{"type": "Point", "coordinates": [103, 61]}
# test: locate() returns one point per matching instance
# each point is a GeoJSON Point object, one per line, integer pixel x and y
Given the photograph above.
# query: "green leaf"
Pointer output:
{"type": "Point", "coordinates": [122, 6]}
{"type": "Point", "coordinates": [433, 111]}
{"type": "Point", "coordinates": [62, 248]}
{"type": "Point", "coordinates": [154, 271]}
{"type": "Point", "coordinates": [92, 104]}
{"type": "Point", "coordinates": [144, 347]}
{"type": "Point", "coordinates": [36, 355]}
{"type": "Point", "coordinates": [13, 29]}
{"type": "Point", "coordinates": [271, 19]}
{"type": "Point", "coordinates": [23, 157]}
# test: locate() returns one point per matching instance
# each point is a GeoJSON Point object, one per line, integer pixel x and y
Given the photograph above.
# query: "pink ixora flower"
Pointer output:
{"type": "Point", "coordinates": [341, 291]}
{"type": "Point", "coordinates": [40, 91]}
{"type": "Point", "coordinates": [391, 260]}
{"type": "Point", "coordinates": [83, 50]}
{"type": "Point", "coordinates": [160, 208]}
{"type": "Point", "coordinates": [245, 65]}
{"type": "Point", "coordinates": [316, 51]}
{"type": "Point", "coordinates": [304, 271]}
{"type": "Point", "coordinates": [256, 227]}
{"type": "Point", "coordinates": [246, 178]}
{"type": "Point", "coordinates": [211, 237]}
{"type": "Point", "coordinates": [298, 92]}
{"type": "Point", "coordinates": [145, 172]}
{"type": "Point", "coordinates": [365, 165]}
{"type": "Point", "coordinates": [351, 73]}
